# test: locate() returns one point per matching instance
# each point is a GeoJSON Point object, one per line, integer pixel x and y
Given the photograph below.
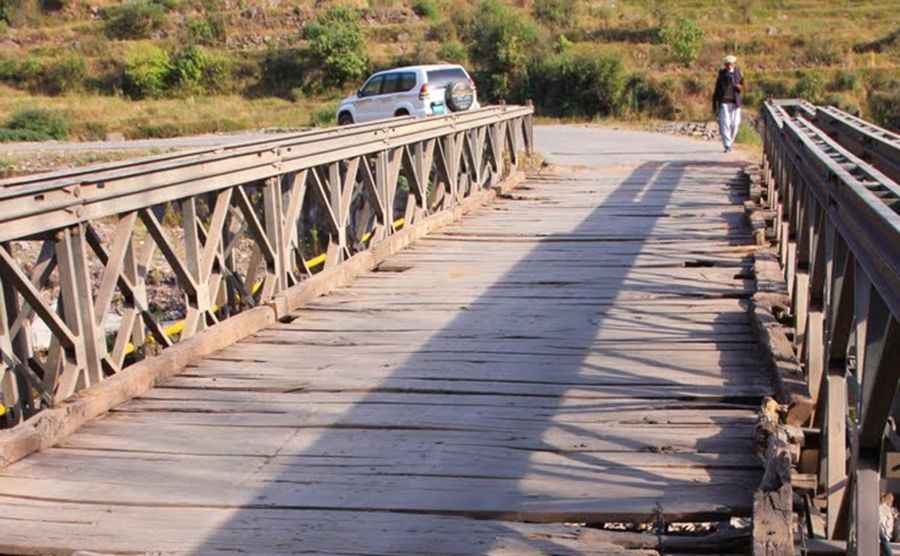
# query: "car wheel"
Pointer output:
{"type": "Point", "coordinates": [460, 96]}
{"type": "Point", "coordinates": [345, 118]}
{"type": "Point", "coordinates": [400, 113]}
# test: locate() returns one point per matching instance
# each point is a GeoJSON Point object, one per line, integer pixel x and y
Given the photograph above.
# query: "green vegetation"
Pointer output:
{"type": "Point", "coordinates": [884, 108]}
{"type": "Point", "coordinates": [35, 125]}
{"type": "Point", "coordinates": [747, 135]}
{"type": "Point", "coordinates": [163, 67]}
{"type": "Point", "coordinates": [810, 86]}
{"type": "Point", "coordinates": [683, 37]}
{"type": "Point", "coordinates": [426, 8]}
{"type": "Point", "coordinates": [501, 40]}
{"type": "Point", "coordinates": [583, 85]}
{"type": "Point", "coordinates": [209, 30]}
{"type": "Point", "coordinates": [336, 39]}
{"type": "Point", "coordinates": [145, 71]}
{"type": "Point", "coordinates": [137, 19]}
{"type": "Point", "coordinates": [556, 13]}
{"type": "Point", "coordinates": [454, 52]}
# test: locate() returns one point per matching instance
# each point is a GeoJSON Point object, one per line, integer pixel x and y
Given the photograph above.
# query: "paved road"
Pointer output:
{"type": "Point", "coordinates": [194, 142]}
{"type": "Point", "coordinates": [574, 353]}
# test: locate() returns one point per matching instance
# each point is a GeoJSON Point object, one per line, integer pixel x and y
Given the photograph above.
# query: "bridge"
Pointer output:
{"type": "Point", "coordinates": [412, 337]}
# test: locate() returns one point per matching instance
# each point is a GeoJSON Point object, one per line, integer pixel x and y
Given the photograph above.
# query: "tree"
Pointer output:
{"type": "Point", "coordinates": [335, 38]}
{"type": "Point", "coordinates": [556, 13]}
{"type": "Point", "coordinates": [683, 37]}
{"type": "Point", "coordinates": [502, 41]}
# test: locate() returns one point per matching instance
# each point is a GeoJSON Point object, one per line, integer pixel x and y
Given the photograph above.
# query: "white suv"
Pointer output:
{"type": "Point", "coordinates": [410, 91]}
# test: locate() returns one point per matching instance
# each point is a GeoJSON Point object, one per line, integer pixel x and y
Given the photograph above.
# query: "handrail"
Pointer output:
{"type": "Point", "coordinates": [228, 228]}
{"type": "Point", "coordinates": [133, 163]}
{"type": "Point", "coordinates": [871, 143]}
{"type": "Point", "coordinates": [837, 222]}
{"type": "Point", "coordinates": [26, 209]}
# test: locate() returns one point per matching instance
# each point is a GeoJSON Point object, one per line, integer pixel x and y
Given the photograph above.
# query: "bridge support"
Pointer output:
{"type": "Point", "coordinates": [843, 275]}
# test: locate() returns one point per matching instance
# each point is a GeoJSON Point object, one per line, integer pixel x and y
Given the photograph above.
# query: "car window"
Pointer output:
{"type": "Point", "coordinates": [398, 82]}
{"type": "Point", "coordinates": [407, 81]}
{"type": "Point", "coordinates": [372, 86]}
{"type": "Point", "coordinates": [391, 81]}
{"type": "Point", "coordinates": [441, 77]}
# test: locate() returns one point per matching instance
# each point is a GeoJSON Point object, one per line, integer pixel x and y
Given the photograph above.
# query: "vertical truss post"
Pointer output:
{"type": "Point", "coordinates": [69, 374]}
{"type": "Point", "coordinates": [197, 301]}
{"type": "Point", "coordinates": [273, 216]}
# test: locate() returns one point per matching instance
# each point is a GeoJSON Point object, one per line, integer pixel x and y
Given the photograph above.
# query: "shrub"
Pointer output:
{"type": "Point", "coordinates": [283, 70]}
{"type": "Point", "coordinates": [53, 5]}
{"type": "Point", "coordinates": [207, 30]}
{"type": "Point", "coordinates": [453, 52]}
{"type": "Point", "coordinates": [7, 166]}
{"type": "Point", "coordinates": [747, 135]}
{"type": "Point", "coordinates": [19, 12]}
{"type": "Point", "coordinates": [555, 13]}
{"type": "Point", "coordinates": [579, 84]}
{"type": "Point", "coordinates": [421, 53]}
{"type": "Point", "coordinates": [771, 87]}
{"type": "Point", "coordinates": [658, 10]}
{"type": "Point", "coordinates": [501, 42]}
{"type": "Point", "coordinates": [146, 71]}
{"type": "Point", "coordinates": [324, 116]}
{"type": "Point", "coordinates": [645, 95]}
{"type": "Point", "coordinates": [94, 131]}
{"type": "Point", "coordinates": [821, 51]}
{"type": "Point", "coordinates": [45, 123]}
{"type": "Point", "coordinates": [426, 8]}
{"type": "Point", "coordinates": [218, 73]}
{"type": "Point", "coordinates": [21, 73]}
{"type": "Point", "coordinates": [335, 38]}
{"type": "Point", "coordinates": [810, 86]}
{"type": "Point", "coordinates": [884, 108]}
{"type": "Point", "coordinates": [51, 77]}
{"type": "Point", "coordinates": [20, 135]}
{"type": "Point", "coordinates": [133, 20]}
{"type": "Point", "coordinates": [442, 31]}
{"type": "Point", "coordinates": [695, 85]}
{"type": "Point", "coordinates": [683, 38]}
{"type": "Point", "coordinates": [187, 69]}
{"type": "Point", "coordinates": [845, 103]}
{"type": "Point", "coordinates": [63, 75]}
{"type": "Point", "coordinates": [844, 80]}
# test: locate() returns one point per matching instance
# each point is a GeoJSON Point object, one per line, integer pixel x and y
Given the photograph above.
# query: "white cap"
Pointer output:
{"type": "Point", "coordinates": [730, 59]}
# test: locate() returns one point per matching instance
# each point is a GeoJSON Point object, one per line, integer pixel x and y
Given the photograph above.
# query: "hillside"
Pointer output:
{"type": "Point", "coordinates": [154, 68]}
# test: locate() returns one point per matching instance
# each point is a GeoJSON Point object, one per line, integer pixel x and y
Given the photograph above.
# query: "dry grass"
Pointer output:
{"type": "Point", "coordinates": [774, 39]}
{"type": "Point", "coordinates": [91, 114]}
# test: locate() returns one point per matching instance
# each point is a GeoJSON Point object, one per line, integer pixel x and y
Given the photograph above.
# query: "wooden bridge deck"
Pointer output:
{"type": "Point", "coordinates": [575, 353]}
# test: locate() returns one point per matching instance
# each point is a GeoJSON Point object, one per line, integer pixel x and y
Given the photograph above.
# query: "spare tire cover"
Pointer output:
{"type": "Point", "coordinates": [460, 96]}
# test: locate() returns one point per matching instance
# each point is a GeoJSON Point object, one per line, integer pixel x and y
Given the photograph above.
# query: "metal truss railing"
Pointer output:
{"type": "Point", "coordinates": [837, 221]}
{"type": "Point", "coordinates": [879, 147]}
{"type": "Point", "coordinates": [91, 259]}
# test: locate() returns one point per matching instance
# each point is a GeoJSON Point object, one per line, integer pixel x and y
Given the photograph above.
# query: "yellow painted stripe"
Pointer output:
{"type": "Point", "coordinates": [178, 327]}
{"type": "Point", "coordinates": [316, 261]}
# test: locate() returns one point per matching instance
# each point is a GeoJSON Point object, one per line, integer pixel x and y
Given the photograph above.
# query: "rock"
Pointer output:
{"type": "Point", "coordinates": [772, 31]}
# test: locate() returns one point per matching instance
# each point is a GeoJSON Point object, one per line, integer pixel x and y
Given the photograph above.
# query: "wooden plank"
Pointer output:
{"type": "Point", "coordinates": [553, 360]}
{"type": "Point", "coordinates": [98, 528]}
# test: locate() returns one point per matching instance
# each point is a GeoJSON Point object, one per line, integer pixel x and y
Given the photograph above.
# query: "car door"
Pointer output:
{"type": "Point", "coordinates": [406, 94]}
{"type": "Point", "coordinates": [367, 99]}
{"type": "Point", "coordinates": [386, 102]}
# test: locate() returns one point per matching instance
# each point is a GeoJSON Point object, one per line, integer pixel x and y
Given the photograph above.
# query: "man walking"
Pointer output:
{"type": "Point", "coordinates": [727, 101]}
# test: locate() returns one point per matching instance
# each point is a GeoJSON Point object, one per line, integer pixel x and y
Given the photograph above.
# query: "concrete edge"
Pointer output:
{"type": "Point", "coordinates": [50, 426]}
